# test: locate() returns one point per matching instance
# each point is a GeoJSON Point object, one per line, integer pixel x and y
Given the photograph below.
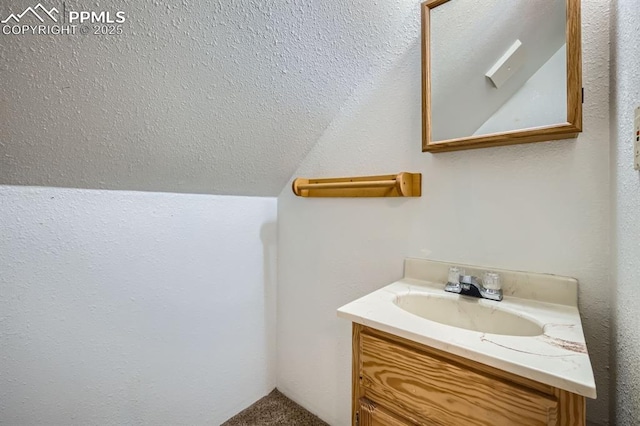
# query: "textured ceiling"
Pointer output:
{"type": "Point", "coordinates": [223, 97]}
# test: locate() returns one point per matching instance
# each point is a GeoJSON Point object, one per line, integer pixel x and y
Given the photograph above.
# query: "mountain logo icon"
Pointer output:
{"type": "Point", "coordinates": [34, 11]}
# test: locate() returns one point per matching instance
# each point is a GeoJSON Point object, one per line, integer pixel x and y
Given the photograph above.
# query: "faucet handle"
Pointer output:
{"type": "Point", "coordinates": [491, 281]}
{"type": "Point", "coordinates": [454, 275]}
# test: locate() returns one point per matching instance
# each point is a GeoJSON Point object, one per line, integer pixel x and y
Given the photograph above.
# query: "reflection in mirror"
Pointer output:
{"type": "Point", "coordinates": [468, 38]}
{"type": "Point", "coordinates": [499, 66]}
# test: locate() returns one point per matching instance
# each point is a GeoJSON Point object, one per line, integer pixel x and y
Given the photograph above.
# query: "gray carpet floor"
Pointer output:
{"type": "Point", "coordinates": [275, 409]}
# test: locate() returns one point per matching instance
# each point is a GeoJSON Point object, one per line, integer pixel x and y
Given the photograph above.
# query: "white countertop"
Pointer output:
{"type": "Point", "coordinates": [558, 357]}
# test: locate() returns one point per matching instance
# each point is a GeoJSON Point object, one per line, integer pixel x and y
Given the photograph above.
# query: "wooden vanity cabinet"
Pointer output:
{"type": "Point", "coordinates": [397, 382]}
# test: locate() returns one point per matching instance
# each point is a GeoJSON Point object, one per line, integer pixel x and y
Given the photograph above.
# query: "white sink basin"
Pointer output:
{"type": "Point", "coordinates": [534, 332]}
{"type": "Point", "coordinates": [468, 313]}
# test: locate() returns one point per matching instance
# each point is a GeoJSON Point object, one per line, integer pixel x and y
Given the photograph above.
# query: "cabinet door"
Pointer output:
{"type": "Point", "coordinates": [371, 414]}
{"type": "Point", "coordinates": [436, 391]}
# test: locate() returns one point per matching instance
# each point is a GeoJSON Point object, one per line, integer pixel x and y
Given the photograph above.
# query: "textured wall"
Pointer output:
{"type": "Point", "coordinates": [625, 97]}
{"type": "Point", "coordinates": [539, 207]}
{"type": "Point", "coordinates": [223, 97]}
{"type": "Point", "coordinates": [134, 308]}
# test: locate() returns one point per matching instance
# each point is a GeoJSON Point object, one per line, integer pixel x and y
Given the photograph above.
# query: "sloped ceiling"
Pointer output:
{"type": "Point", "coordinates": [221, 97]}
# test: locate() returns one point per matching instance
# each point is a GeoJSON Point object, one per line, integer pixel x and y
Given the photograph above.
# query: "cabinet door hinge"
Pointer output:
{"type": "Point", "coordinates": [583, 95]}
{"type": "Point", "coordinates": [357, 419]}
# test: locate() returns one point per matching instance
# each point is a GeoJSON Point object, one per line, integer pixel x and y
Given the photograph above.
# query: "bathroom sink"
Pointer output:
{"type": "Point", "coordinates": [468, 313]}
{"type": "Point", "coordinates": [534, 332]}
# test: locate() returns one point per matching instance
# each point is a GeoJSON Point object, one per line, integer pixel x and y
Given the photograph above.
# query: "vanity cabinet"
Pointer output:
{"type": "Point", "coordinates": [397, 382]}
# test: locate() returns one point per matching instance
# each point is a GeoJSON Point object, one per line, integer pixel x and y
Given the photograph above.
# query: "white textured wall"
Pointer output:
{"type": "Point", "coordinates": [134, 308]}
{"type": "Point", "coordinates": [625, 267]}
{"type": "Point", "coordinates": [539, 207]}
{"type": "Point", "coordinates": [221, 97]}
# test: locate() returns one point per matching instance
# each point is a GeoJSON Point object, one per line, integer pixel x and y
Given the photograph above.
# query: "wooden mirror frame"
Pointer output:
{"type": "Point", "coordinates": [569, 129]}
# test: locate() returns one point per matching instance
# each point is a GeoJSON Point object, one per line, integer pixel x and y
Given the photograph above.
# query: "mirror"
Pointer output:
{"type": "Point", "coordinates": [500, 72]}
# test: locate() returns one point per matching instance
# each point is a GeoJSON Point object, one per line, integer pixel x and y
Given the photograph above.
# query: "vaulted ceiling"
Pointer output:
{"type": "Point", "coordinates": [221, 97]}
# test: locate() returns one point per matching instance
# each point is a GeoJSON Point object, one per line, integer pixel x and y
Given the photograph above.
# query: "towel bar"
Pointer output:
{"type": "Point", "coordinates": [400, 185]}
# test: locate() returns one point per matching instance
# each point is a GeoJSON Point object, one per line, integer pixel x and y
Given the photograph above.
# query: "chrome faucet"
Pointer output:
{"type": "Point", "coordinates": [470, 285]}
